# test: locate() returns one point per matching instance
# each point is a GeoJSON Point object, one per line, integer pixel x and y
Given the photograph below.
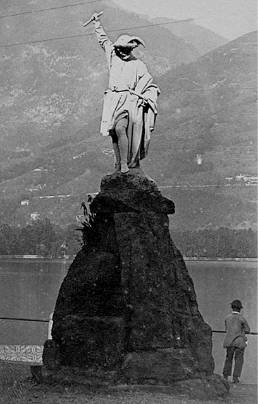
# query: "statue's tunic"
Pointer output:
{"type": "Point", "coordinates": [119, 102]}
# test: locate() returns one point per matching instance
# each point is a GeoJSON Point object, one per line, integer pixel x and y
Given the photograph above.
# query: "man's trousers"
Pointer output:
{"type": "Point", "coordinates": [237, 354]}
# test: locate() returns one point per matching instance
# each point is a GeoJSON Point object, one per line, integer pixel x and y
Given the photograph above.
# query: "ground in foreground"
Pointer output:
{"type": "Point", "coordinates": [17, 387]}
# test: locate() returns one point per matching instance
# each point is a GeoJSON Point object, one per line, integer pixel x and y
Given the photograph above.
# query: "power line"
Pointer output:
{"type": "Point", "coordinates": [44, 40]}
{"type": "Point", "coordinates": [47, 9]}
{"type": "Point", "coordinates": [93, 33]}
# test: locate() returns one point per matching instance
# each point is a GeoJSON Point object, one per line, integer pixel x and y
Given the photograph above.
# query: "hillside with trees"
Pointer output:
{"type": "Point", "coordinates": [44, 239]}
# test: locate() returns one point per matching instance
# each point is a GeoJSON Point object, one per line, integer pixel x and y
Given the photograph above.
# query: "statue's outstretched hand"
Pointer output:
{"type": "Point", "coordinates": [94, 18]}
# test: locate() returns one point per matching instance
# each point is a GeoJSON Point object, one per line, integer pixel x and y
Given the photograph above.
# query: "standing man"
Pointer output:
{"type": "Point", "coordinates": [130, 102]}
{"type": "Point", "coordinates": [235, 341]}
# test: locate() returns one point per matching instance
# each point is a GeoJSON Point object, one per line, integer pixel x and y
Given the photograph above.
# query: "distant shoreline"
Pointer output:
{"type": "Point", "coordinates": [67, 259]}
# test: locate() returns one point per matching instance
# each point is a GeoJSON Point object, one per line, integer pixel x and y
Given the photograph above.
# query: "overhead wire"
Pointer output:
{"type": "Point", "coordinates": [51, 8]}
{"type": "Point", "coordinates": [83, 35]}
{"type": "Point", "coordinates": [43, 40]}
{"type": "Point", "coordinates": [92, 33]}
{"type": "Point", "coordinates": [78, 35]}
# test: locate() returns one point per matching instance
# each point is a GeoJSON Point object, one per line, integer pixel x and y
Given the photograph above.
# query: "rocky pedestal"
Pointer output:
{"type": "Point", "coordinates": [127, 309]}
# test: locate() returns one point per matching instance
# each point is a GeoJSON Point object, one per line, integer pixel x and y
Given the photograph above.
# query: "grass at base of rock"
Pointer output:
{"type": "Point", "coordinates": [17, 387]}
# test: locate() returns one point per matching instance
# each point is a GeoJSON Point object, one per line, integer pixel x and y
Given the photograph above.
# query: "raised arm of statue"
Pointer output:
{"type": "Point", "coordinates": [103, 39]}
{"type": "Point", "coordinates": [101, 35]}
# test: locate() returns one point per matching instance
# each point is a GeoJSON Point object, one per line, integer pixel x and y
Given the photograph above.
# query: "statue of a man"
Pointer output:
{"type": "Point", "coordinates": [130, 102]}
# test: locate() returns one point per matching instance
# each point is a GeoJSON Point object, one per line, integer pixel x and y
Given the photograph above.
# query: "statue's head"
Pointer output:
{"type": "Point", "coordinates": [125, 44]}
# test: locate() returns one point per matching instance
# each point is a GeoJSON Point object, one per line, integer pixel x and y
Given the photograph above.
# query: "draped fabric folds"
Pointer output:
{"type": "Point", "coordinates": [126, 75]}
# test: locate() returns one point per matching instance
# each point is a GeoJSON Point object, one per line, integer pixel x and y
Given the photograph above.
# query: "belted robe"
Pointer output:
{"type": "Point", "coordinates": [126, 75]}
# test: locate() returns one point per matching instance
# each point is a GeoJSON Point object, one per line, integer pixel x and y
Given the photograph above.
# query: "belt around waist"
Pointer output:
{"type": "Point", "coordinates": [118, 90]}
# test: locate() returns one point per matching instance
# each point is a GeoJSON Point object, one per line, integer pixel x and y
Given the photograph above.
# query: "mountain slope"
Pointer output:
{"type": "Point", "coordinates": [206, 137]}
{"type": "Point", "coordinates": [208, 108]}
{"type": "Point", "coordinates": [50, 89]}
{"type": "Point", "coordinates": [201, 38]}
{"type": "Point", "coordinates": [51, 102]}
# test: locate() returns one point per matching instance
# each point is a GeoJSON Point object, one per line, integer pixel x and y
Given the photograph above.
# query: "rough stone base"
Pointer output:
{"type": "Point", "coordinates": [75, 375]}
{"type": "Point", "coordinates": [126, 312]}
{"type": "Point", "coordinates": [162, 365]}
{"type": "Point", "coordinates": [93, 342]}
{"type": "Point", "coordinates": [206, 388]}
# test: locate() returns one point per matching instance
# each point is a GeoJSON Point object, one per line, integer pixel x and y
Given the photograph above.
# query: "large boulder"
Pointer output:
{"type": "Point", "coordinates": [127, 304]}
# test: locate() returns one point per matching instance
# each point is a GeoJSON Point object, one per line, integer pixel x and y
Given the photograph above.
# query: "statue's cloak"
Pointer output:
{"type": "Point", "coordinates": [119, 102]}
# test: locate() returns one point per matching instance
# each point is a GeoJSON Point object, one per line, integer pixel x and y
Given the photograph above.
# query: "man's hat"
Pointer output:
{"type": "Point", "coordinates": [127, 41]}
{"type": "Point", "coordinates": [237, 303]}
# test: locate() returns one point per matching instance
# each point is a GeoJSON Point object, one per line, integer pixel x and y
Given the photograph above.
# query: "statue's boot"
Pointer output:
{"type": "Point", "coordinates": [123, 150]}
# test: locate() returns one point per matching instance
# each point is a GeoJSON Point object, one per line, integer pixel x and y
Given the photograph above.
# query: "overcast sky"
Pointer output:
{"type": "Point", "coordinates": [228, 18]}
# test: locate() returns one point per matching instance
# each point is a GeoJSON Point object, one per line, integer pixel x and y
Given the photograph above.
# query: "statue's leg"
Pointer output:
{"type": "Point", "coordinates": [120, 128]}
{"type": "Point", "coordinates": [117, 165]}
{"type": "Point", "coordinates": [117, 160]}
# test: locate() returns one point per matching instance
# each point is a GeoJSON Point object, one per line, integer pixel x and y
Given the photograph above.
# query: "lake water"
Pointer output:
{"type": "Point", "coordinates": [29, 288]}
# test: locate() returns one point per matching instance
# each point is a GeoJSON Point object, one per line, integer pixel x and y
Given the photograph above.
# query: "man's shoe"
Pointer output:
{"type": "Point", "coordinates": [235, 379]}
